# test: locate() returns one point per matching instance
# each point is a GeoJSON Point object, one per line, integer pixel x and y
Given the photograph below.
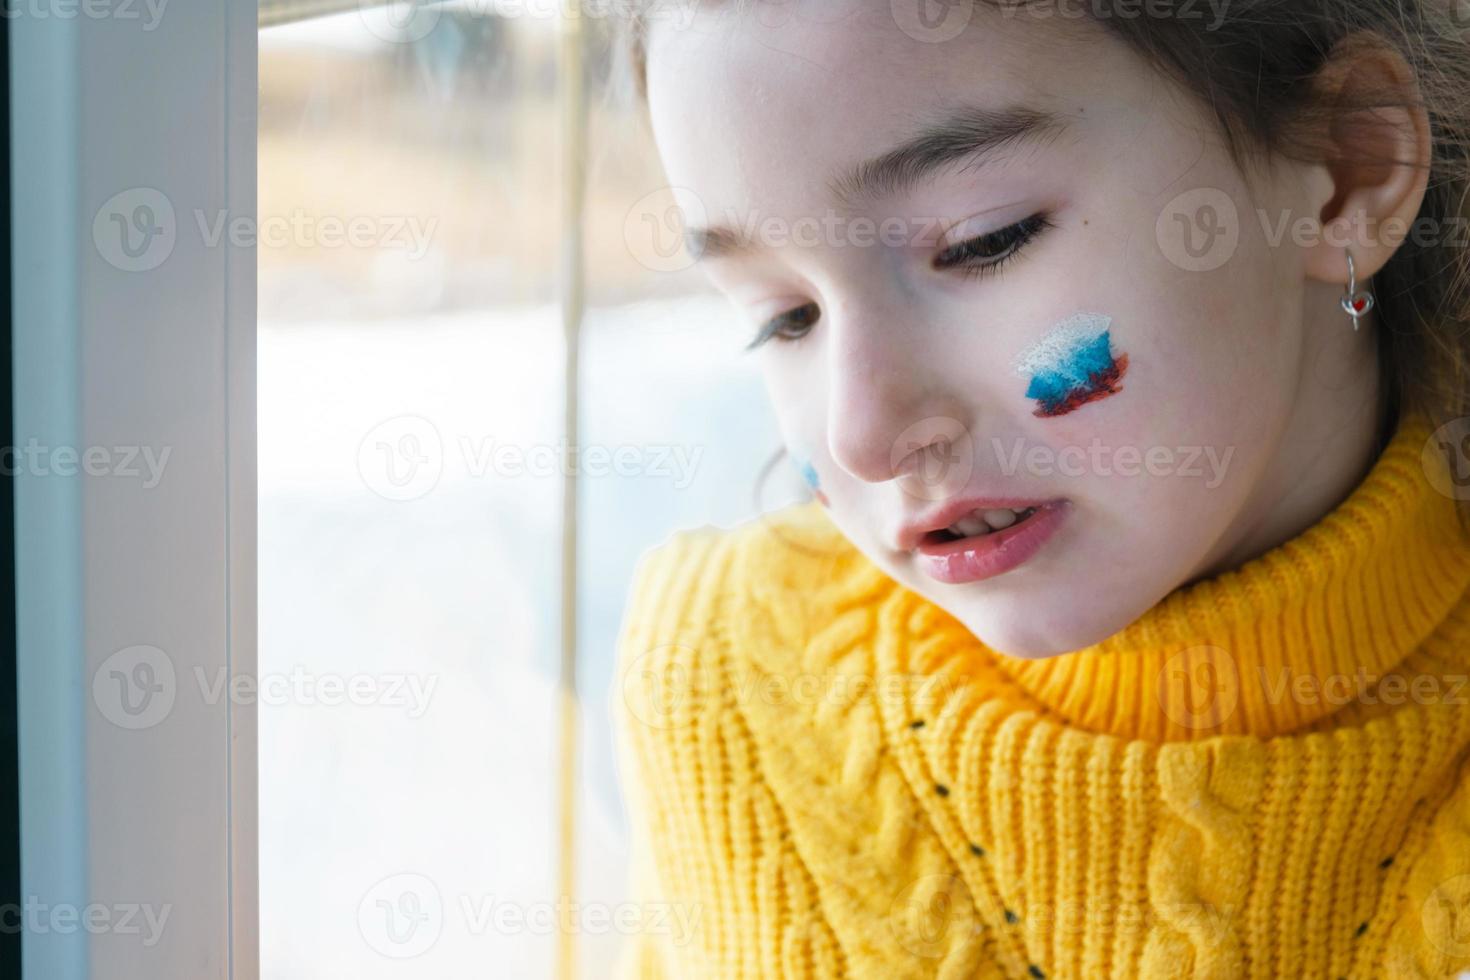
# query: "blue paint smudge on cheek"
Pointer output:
{"type": "Point", "coordinates": [809, 474]}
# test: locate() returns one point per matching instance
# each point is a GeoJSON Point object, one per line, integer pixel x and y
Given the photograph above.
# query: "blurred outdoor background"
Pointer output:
{"type": "Point", "coordinates": [410, 397]}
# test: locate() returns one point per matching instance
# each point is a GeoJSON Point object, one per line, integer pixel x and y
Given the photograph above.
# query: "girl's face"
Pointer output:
{"type": "Point", "coordinates": [1025, 324]}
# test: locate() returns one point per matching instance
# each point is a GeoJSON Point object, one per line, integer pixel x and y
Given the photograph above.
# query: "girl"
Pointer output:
{"type": "Point", "coordinates": [1124, 346]}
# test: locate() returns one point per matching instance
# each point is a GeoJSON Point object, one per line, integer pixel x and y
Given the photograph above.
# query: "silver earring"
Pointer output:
{"type": "Point", "coordinates": [1355, 302]}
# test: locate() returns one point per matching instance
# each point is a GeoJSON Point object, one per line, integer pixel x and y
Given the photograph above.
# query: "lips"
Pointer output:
{"type": "Point", "coordinates": [980, 541]}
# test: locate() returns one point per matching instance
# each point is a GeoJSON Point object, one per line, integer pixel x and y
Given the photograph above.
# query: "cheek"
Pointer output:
{"type": "Point", "coordinates": [1221, 356]}
{"type": "Point", "coordinates": [1222, 342]}
{"type": "Point", "coordinates": [1153, 406]}
{"type": "Point", "coordinates": [801, 418]}
{"type": "Point", "coordinates": [1153, 354]}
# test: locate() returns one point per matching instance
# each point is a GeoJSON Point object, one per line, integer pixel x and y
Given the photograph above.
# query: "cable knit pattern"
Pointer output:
{"type": "Point", "coordinates": [1267, 775]}
{"type": "Point", "coordinates": [1209, 793]}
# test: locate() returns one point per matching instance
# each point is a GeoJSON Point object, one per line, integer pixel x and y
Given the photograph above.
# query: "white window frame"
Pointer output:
{"type": "Point", "coordinates": [162, 816]}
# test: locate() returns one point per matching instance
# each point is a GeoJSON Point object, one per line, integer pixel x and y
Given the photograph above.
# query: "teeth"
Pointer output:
{"type": "Point", "coordinates": [983, 522]}
{"type": "Point", "coordinates": [999, 519]}
{"type": "Point", "coordinates": [970, 525]}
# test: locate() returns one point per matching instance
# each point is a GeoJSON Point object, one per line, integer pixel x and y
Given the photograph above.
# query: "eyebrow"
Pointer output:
{"type": "Point", "coordinates": [965, 133]}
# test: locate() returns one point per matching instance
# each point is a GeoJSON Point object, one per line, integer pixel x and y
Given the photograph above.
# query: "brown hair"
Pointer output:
{"type": "Point", "coordinates": [1254, 70]}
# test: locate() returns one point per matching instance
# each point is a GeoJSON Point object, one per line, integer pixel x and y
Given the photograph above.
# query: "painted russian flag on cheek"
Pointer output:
{"type": "Point", "coordinates": [1072, 365]}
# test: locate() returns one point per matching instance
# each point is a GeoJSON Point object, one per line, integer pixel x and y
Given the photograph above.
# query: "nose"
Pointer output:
{"type": "Point", "coordinates": [889, 410]}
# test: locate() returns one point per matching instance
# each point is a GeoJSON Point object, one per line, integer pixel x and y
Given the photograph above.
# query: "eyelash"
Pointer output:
{"type": "Point", "coordinates": [1015, 237]}
{"type": "Point", "coordinates": [964, 255]}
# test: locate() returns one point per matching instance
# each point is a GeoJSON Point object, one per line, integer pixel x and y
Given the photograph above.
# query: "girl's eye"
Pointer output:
{"type": "Point", "coordinates": [982, 255]}
{"type": "Point", "coordinates": [794, 324]}
{"type": "Point", "coordinates": [985, 254]}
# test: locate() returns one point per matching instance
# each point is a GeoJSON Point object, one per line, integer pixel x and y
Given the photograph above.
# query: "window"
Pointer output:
{"type": "Point", "coordinates": [411, 458]}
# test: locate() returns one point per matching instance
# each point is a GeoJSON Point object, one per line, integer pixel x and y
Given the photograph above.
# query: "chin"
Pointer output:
{"type": "Point", "coordinates": [1038, 630]}
{"type": "Point", "coordinates": [1024, 641]}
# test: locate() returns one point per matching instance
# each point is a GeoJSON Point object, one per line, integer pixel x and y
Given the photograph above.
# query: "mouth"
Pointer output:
{"type": "Point", "coordinates": [985, 542]}
{"type": "Point", "coordinates": [978, 523]}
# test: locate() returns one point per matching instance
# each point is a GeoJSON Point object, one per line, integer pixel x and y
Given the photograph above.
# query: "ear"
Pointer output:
{"type": "Point", "coordinates": [1376, 150]}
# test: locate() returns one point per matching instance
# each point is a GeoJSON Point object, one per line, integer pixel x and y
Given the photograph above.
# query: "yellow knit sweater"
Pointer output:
{"type": "Point", "coordinates": [1264, 776]}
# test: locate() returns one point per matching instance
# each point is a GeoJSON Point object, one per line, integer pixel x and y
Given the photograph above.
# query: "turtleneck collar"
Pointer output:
{"type": "Point", "coordinates": [1289, 637]}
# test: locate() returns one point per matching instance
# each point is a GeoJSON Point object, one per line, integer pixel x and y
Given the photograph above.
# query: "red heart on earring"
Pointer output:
{"type": "Point", "coordinates": [1360, 304]}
